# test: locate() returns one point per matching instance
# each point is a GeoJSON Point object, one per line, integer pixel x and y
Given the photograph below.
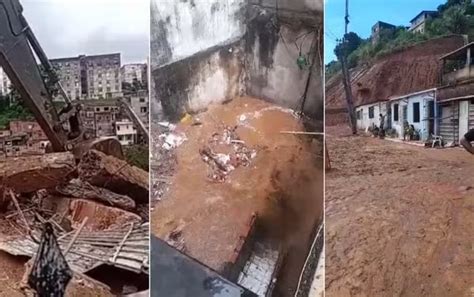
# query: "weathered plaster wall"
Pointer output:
{"type": "Point", "coordinates": [275, 36]}
{"type": "Point", "coordinates": [191, 84]}
{"type": "Point", "coordinates": [209, 51]}
{"type": "Point", "coordinates": [196, 53]}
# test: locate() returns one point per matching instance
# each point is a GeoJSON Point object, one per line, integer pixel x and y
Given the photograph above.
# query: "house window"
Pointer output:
{"type": "Point", "coordinates": [416, 112]}
{"type": "Point", "coordinates": [371, 112]}
{"type": "Point", "coordinates": [118, 128]}
{"type": "Point", "coordinates": [395, 112]}
{"type": "Point", "coordinates": [143, 110]}
{"type": "Point", "coordinates": [142, 100]}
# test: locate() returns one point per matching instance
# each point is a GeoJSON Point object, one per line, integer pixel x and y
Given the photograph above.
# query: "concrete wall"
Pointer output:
{"type": "Point", "coordinates": [364, 121]}
{"type": "Point", "coordinates": [196, 53]}
{"type": "Point", "coordinates": [423, 125]}
{"type": "Point", "coordinates": [210, 51]}
{"type": "Point", "coordinates": [275, 35]}
{"type": "Point", "coordinates": [182, 28]}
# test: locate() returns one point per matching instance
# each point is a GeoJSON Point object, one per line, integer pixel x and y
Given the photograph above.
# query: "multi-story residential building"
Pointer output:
{"type": "Point", "coordinates": [22, 138]}
{"type": "Point", "coordinates": [99, 116]}
{"type": "Point", "coordinates": [90, 77]}
{"type": "Point", "coordinates": [126, 132]}
{"type": "Point", "coordinates": [102, 74]}
{"type": "Point", "coordinates": [132, 72]}
{"type": "Point", "coordinates": [30, 128]}
{"type": "Point", "coordinates": [69, 72]}
{"type": "Point", "coordinates": [139, 103]}
{"type": "Point", "coordinates": [378, 28]}
{"type": "Point", "coordinates": [4, 83]}
{"type": "Point", "coordinates": [418, 23]}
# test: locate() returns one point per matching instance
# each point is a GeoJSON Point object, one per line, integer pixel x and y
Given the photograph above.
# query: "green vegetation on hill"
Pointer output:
{"type": "Point", "coordinates": [13, 111]}
{"type": "Point", "coordinates": [456, 17]}
{"type": "Point", "coordinates": [137, 155]}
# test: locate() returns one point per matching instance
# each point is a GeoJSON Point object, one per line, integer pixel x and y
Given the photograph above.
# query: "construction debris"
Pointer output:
{"type": "Point", "coordinates": [92, 249]}
{"type": "Point", "coordinates": [79, 189]}
{"type": "Point", "coordinates": [221, 164]}
{"type": "Point", "coordinates": [97, 209]}
{"type": "Point", "coordinates": [116, 175]}
{"type": "Point", "coordinates": [163, 161]}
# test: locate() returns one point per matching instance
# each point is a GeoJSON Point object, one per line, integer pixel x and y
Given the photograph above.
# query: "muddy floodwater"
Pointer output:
{"type": "Point", "coordinates": [280, 179]}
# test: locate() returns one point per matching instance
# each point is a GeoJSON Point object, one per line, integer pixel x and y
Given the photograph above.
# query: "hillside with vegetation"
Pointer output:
{"type": "Point", "coordinates": [455, 17]}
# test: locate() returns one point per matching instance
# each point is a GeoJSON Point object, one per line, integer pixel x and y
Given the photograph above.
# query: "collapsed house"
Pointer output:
{"type": "Point", "coordinates": [232, 77]}
{"type": "Point", "coordinates": [98, 208]}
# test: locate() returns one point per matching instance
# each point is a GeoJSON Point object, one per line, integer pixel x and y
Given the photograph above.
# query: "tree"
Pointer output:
{"type": "Point", "coordinates": [456, 21]}
{"type": "Point", "coordinates": [450, 3]}
{"type": "Point", "coordinates": [352, 42]}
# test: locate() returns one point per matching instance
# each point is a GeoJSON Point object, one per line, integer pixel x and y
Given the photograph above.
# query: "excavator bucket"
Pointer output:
{"type": "Point", "coordinates": [109, 146]}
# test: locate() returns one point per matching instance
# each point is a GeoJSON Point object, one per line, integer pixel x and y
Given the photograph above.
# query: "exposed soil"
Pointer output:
{"type": "Point", "coordinates": [413, 69]}
{"type": "Point", "coordinates": [283, 184]}
{"type": "Point", "coordinates": [399, 219]}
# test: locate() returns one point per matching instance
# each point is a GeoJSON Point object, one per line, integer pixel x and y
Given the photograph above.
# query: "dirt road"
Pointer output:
{"type": "Point", "coordinates": [399, 219]}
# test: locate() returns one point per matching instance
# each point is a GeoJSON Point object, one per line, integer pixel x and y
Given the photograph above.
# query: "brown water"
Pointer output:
{"type": "Point", "coordinates": [283, 184]}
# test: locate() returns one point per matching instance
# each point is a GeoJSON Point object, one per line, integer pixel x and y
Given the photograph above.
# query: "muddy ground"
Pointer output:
{"type": "Point", "coordinates": [283, 184]}
{"type": "Point", "coordinates": [399, 219]}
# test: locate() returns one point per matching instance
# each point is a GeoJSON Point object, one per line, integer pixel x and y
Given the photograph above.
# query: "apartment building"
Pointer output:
{"type": "Point", "coordinates": [90, 77]}
{"type": "Point", "coordinates": [126, 132]}
{"type": "Point", "coordinates": [132, 72]}
{"type": "Point", "coordinates": [4, 83]}
{"type": "Point", "coordinates": [99, 116]}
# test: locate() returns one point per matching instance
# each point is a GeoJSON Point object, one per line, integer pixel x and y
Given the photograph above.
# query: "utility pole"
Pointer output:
{"type": "Point", "coordinates": [346, 75]}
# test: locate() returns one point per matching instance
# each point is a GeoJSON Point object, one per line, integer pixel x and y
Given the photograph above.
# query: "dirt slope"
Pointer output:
{"type": "Point", "coordinates": [414, 69]}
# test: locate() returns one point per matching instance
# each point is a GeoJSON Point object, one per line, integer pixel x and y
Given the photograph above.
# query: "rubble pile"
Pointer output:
{"type": "Point", "coordinates": [225, 152]}
{"type": "Point", "coordinates": [97, 207]}
{"type": "Point", "coordinates": [163, 157]}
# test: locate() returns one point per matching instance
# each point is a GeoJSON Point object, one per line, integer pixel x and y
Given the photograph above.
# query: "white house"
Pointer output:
{"type": "Point", "coordinates": [418, 109]}
{"type": "Point", "coordinates": [126, 132]}
{"type": "Point", "coordinates": [368, 114]}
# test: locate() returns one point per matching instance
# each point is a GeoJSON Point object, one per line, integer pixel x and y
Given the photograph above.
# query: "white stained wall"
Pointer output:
{"type": "Point", "coordinates": [192, 26]}
{"type": "Point", "coordinates": [125, 131]}
{"type": "Point", "coordinates": [422, 126]}
{"type": "Point", "coordinates": [364, 121]}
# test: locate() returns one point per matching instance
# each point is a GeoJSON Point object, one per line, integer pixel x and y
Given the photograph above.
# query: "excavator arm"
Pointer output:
{"type": "Point", "coordinates": [37, 85]}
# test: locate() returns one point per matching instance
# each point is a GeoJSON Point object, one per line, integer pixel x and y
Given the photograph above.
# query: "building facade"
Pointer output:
{"type": "Point", "coordinates": [99, 117]}
{"type": "Point", "coordinates": [380, 27]}
{"type": "Point", "coordinates": [132, 72]}
{"type": "Point", "coordinates": [418, 23]}
{"type": "Point", "coordinates": [126, 132]}
{"type": "Point", "coordinates": [417, 109]}
{"type": "Point", "coordinates": [367, 115]}
{"type": "Point", "coordinates": [139, 104]}
{"type": "Point", "coordinates": [4, 83]}
{"type": "Point", "coordinates": [69, 72]}
{"type": "Point", "coordinates": [90, 77]}
{"type": "Point", "coordinates": [455, 96]}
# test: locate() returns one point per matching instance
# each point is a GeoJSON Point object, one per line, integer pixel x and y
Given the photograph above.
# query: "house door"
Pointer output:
{"type": "Point", "coordinates": [405, 112]}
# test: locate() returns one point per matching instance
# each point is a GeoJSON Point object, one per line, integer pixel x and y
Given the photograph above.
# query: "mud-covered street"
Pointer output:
{"type": "Point", "coordinates": [399, 219]}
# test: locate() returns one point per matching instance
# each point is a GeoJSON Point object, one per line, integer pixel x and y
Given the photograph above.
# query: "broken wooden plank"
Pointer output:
{"type": "Point", "coordinates": [83, 190]}
{"type": "Point", "coordinates": [32, 173]}
{"type": "Point", "coordinates": [114, 174]}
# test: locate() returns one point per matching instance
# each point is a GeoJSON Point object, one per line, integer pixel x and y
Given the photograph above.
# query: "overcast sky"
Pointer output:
{"type": "Point", "coordinates": [68, 28]}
